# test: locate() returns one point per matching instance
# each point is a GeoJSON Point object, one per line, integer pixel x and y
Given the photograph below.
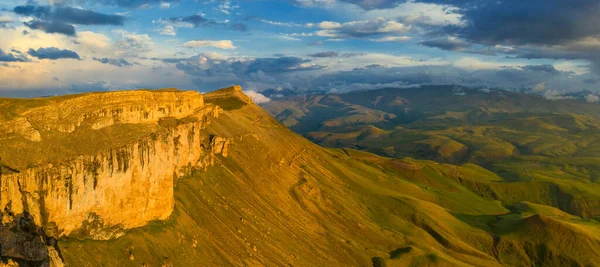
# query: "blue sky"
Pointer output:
{"type": "Point", "coordinates": [68, 46]}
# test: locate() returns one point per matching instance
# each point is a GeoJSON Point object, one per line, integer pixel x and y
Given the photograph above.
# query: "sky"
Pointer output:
{"type": "Point", "coordinates": [48, 47]}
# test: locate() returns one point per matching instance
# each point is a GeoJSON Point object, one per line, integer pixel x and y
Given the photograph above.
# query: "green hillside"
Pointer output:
{"type": "Point", "coordinates": [278, 199]}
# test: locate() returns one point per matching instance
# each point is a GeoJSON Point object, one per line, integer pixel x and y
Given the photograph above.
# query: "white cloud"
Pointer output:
{"type": "Point", "coordinates": [6, 19]}
{"type": "Point", "coordinates": [555, 95]}
{"type": "Point", "coordinates": [541, 87]}
{"type": "Point", "coordinates": [221, 44]}
{"type": "Point", "coordinates": [472, 63]}
{"type": "Point", "coordinates": [286, 37]}
{"type": "Point", "coordinates": [283, 24]}
{"type": "Point", "coordinates": [93, 40]}
{"type": "Point", "coordinates": [314, 3]}
{"type": "Point", "coordinates": [592, 98]}
{"type": "Point", "coordinates": [257, 97]}
{"type": "Point", "coordinates": [165, 5]}
{"type": "Point", "coordinates": [392, 39]}
{"type": "Point", "coordinates": [132, 44]}
{"type": "Point", "coordinates": [167, 29]}
{"type": "Point", "coordinates": [226, 7]}
{"type": "Point", "coordinates": [386, 60]}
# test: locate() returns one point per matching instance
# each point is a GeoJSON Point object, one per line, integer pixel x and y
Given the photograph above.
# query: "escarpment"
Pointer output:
{"type": "Point", "coordinates": [94, 165]}
{"type": "Point", "coordinates": [99, 110]}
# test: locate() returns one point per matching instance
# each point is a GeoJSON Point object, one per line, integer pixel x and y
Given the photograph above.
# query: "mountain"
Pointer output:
{"type": "Point", "coordinates": [172, 178]}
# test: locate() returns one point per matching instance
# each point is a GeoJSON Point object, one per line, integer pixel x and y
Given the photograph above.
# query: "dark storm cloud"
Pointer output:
{"type": "Point", "coordinates": [556, 29]}
{"type": "Point", "coordinates": [13, 56]}
{"type": "Point", "coordinates": [53, 53]}
{"type": "Point", "coordinates": [122, 63]}
{"type": "Point", "coordinates": [542, 22]}
{"type": "Point", "coordinates": [517, 22]}
{"type": "Point", "coordinates": [69, 15]}
{"type": "Point", "coordinates": [51, 27]}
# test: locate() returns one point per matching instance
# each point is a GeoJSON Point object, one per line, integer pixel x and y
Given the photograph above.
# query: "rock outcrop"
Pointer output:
{"type": "Point", "coordinates": [99, 110]}
{"type": "Point", "coordinates": [121, 187]}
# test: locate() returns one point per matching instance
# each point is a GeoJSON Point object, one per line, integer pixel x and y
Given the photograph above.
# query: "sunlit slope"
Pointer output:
{"type": "Point", "coordinates": [279, 200]}
{"type": "Point", "coordinates": [546, 151]}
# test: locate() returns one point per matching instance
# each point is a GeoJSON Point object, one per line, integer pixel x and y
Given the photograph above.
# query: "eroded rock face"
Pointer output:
{"type": "Point", "coordinates": [100, 110]}
{"type": "Point", "coordinates": [99, 196]}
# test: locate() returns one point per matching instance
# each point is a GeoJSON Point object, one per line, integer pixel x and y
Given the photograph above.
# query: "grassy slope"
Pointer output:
{"type": "Point", "coordinates": [278, 199]}
{"type": "Point", "coordinates": [548, 147]}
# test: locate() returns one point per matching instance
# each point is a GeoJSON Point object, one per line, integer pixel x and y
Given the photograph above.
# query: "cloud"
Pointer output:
{"type": "Point", "coordinates": [132, 44]}
{"type": "Point", "coordinates": [392, 39]}
{"type": "Point", "coordinates": [5, 20]}
{"type": "Point", "coordinates": [324, 54]}
{"type": "Point", "coordinates": [132, 3]}
{"type": "Point", "coordinates": [222, 44]}
{"type": "Point", "coordinates": [375, 4]}
{"type": "Point", "coordinates": [15, 56]}
{"type": "Point", "coordinates": [312, 3]}
{"type": "Point", "coordinates": [171, 24]}
{"type": "Point", "coordinates": [592, 98]}
{"type": "Point", "coordinates": [52, 53]}
{"type": "Point", "coordinates": [193, 20]}
{"type": "Point", "coordinates": [553, 29]}
{"type": "Point", "coordinates": [547, 68]}
{"type": "Point", "coordinates": [257, 97]}
{"type": "Point", "coordinates": [360, 29]}
{"type": "Point", "coordinates": [545, 22]}
{"type": "Point", "coordinates": [449, 44]}
{"type": "Point", "coordinates": [122, 63]}
{"type": "Point", "coordinates": [534, 29]}
{"type": "Point", "coordinates": [555, 95]}
{"type": "Point", "coordinates": [281, 65]}
{"type": "Point", "coordinates": [539, 88]}
{"type": "Point", "coordinates": [51, 27]}
{"type": "Point", "coordinates": [59, 19]}
{"type": "Point", "coordinates": [333, 54]}
{"type": "Point", "coordinates": [282, 24]}
{"type": "Point", "coordinates": [69, 15]}
{"type": "Point", "coordinates": [458, 45]}
{"type": "Point", "coordinates": [212, 70]}
{"type": "Point", "coordinates": [167, 29]}
{"type": "Point", "coordinates": [226, 7]}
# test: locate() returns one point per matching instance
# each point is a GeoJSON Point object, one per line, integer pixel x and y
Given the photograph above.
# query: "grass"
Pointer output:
{"type": "Point", "coordinates": [279, 199]}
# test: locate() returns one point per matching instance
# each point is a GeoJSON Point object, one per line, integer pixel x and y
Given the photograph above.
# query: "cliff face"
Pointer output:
{"type": "Point", "coordinates": [100, 194]}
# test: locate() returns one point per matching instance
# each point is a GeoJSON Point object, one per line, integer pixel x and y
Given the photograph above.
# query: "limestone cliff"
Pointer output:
{"type": "Point", "coordinates": [121, 177]}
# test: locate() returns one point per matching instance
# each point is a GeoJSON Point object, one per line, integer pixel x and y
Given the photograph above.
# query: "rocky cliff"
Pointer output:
{"type": "Point", "coordinates": [94, 165]}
